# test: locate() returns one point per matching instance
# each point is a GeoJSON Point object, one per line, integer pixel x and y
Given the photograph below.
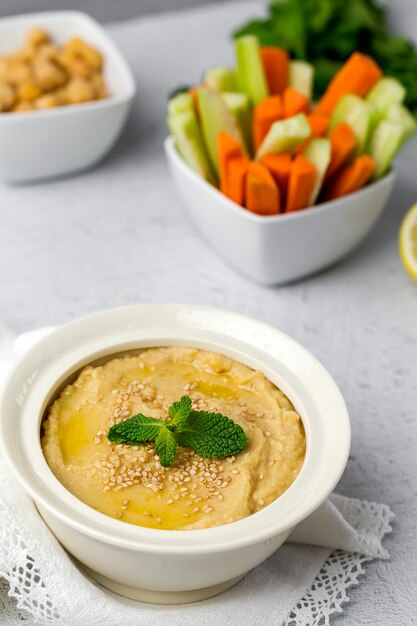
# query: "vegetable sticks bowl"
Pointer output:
{"type": "Point", "coordinates": [254, 133]}
{"type": "Point", "coordinates": [41, 144]}
{"type": "Point", "coordinates": [277, 249]}
{"type": "Point", "coordinates": [171, 566]}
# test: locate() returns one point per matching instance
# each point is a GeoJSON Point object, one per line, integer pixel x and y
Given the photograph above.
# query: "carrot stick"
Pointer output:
{"type": "Point", "coordinates": [343, 144]}
{"type": "Point", "coordinates": [233, 167]}
{"type": "Point", "coordinates": [280, 166]}
{"type": "Point", "coordinates": [264, 115]}
{"type": "Point", "coordinates": [236, 177]}
{"type": "Point", "coordinates": [276, 66]}
{"type": "Point", "coordinates": [262, 193]}
{"type": "Point", "coordinates": [357, 76]}
{"type": "Point", "coordinates": [294, 102]}
{"type": "Point", "coordinates": [301, 184]}
{"type": "Point", "coordinates": [351, 178]}
{"type": "Point", "coordinates": [228, 148]}
{"type": "Point", "coordinates": [319, 125]}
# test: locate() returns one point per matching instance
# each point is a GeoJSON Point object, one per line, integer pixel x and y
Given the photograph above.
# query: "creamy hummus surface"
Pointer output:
{"type": "Point", "coordinates": [129, 483]}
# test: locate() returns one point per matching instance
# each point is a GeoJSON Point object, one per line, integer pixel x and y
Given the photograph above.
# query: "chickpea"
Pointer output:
{"type": "Point", "coordinates": [4, 68]}
{"type": "Point", "coordinates": [28, 91]}
{"type": "Point", "coordinates": [37, 36]}
{"type": "Point", "coordinates": [93, 58]}
{"type": "Point", "coordinates": [22, 107]}
{"type": "Point", "coordinates": [19, 72]}
{"type": "Point", "coordinates": [22, 55]}
{"type": "Point", "coordinates": [99, 85]}
{"type": "Point", "coordinates": [79, 90]}
{"type": "Point", "coordinates": [47, 101]}
{"type": "Point", "coordinates": [75, 45]}
{"type": "Point", "coordinates": [87, 53]}
{"type": "Point", "coordinates": [47, 51]}
{"type": "Point", "coordinates": [7, 96]}
{"type": "Point", "coordinates": [79, 68]}
{"type": "Point", "coordinates": [66, 57]}
{"type": "Point", "coordinates": [48, 75]}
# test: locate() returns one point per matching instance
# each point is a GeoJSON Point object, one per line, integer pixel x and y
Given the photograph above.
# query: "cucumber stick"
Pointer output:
{"type": "Point", "coordinates": [250, 73]}
{"type": "Point", "coordinates": [399, 114]}
{"type": "Point", "coordinates": [359, 115]}
{"type": "Point", "coordinates": [215, 117]}
{"type": "Point", "coordinates": [318, 152]}
{"type": "Point", "coordinates": [220, 78]}
{"type": "Point", "coordinates": [385, 142]}
{"type": "Point", "coordinates": [285, 136]}
{"type": "Point", "coordinates": [301, 77]}
{"type": "Point", "coordinates": [385, 92]}
{"type": "Point", "coordinates": [180, 103]}
{"type": "Point", "coordinates": [189, 142]}
{"type": "Point", "coordinates": [238, 104]}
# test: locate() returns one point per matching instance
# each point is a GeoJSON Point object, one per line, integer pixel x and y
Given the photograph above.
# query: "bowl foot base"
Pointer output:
{"type": "Point", "coordinates": [161, 597]}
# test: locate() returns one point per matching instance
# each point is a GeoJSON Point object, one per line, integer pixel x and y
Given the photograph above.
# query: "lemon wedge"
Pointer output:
{"type": "Point", "coordinates": [408, 242]}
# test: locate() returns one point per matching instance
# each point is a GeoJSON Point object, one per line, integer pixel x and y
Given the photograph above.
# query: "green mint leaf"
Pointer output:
{"type": "Point", "coordinates": [179, 412]}
{"type": "Point", "coordinates": [135, 430]}
{"type": "Point", "coordinates": [166, 446]}
{"type": "Point", "coordinates": [212, 435]}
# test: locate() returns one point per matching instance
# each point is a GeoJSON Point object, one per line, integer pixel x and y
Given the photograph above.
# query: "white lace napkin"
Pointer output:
{"type": "Point", "coordinates": [302, 584]}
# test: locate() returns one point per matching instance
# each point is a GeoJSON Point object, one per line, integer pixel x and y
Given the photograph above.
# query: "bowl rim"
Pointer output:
{"type": "Point", "coordinates": [324, 207]}
{"type": "Point", "coordinates": [111, 48]}
{"type": "Point", "coordinates": [276, 518]}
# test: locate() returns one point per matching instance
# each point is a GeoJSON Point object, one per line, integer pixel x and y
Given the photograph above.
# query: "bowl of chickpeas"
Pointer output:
{"type": "Point", "coordinates": [65, 94]}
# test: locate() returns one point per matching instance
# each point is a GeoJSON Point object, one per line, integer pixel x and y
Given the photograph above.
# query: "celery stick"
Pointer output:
{"type": "Point", "coordinates": [385, 92]}
{"type": "Point", "coordinates": [216, 117]}
{"type": "Point", "coordinates": [285, 136]}
{"type": "Point", "coordinates": [301, 77]}
{"type": "Point", "coordinates": [187, 136]}
{"type": "Point", "coordinates": [238, 104]}
{"type": "Point", "coordinates": [220, 78]}
{"type": "Point", "coordinates": [250, 72]}
{"type": "Point", "coordinates": [399, 114]}
{"type": "Point", "coordinates": [318, 152]}
{"type": "Point", "coordinates": [385, 142]}
{"type": "Point", "coordinates": [180, 103]}
{"type": "Point", "coordinates": [359, 115]}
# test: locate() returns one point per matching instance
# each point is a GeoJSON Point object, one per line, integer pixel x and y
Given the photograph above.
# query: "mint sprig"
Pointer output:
{"type": "Point", "coordinates": [211, 435]}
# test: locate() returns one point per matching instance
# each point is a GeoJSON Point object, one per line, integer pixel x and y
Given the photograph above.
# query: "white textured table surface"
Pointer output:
{"type": "Point", "coordinates": [118, 235]}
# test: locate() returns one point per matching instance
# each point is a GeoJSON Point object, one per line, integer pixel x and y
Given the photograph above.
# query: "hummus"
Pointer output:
{"type": "Point", "coordinates": [129, 483]}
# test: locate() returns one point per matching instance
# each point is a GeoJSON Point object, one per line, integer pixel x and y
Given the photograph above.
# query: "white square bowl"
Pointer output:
{"type": "Point", "coordinates": [36, 145]}
{"type": "Point", "coordinates": [277, 249]}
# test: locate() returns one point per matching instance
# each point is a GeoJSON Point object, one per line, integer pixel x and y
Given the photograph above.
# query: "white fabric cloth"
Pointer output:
{"type": "Point", "coordinates": [302, 584]}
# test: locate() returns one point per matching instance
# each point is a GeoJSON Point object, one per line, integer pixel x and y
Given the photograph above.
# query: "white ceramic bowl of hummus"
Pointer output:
{"type": "Point", "coordinates": [152, 564]}
{"type": "Point", "coordinates": [277, 249]}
